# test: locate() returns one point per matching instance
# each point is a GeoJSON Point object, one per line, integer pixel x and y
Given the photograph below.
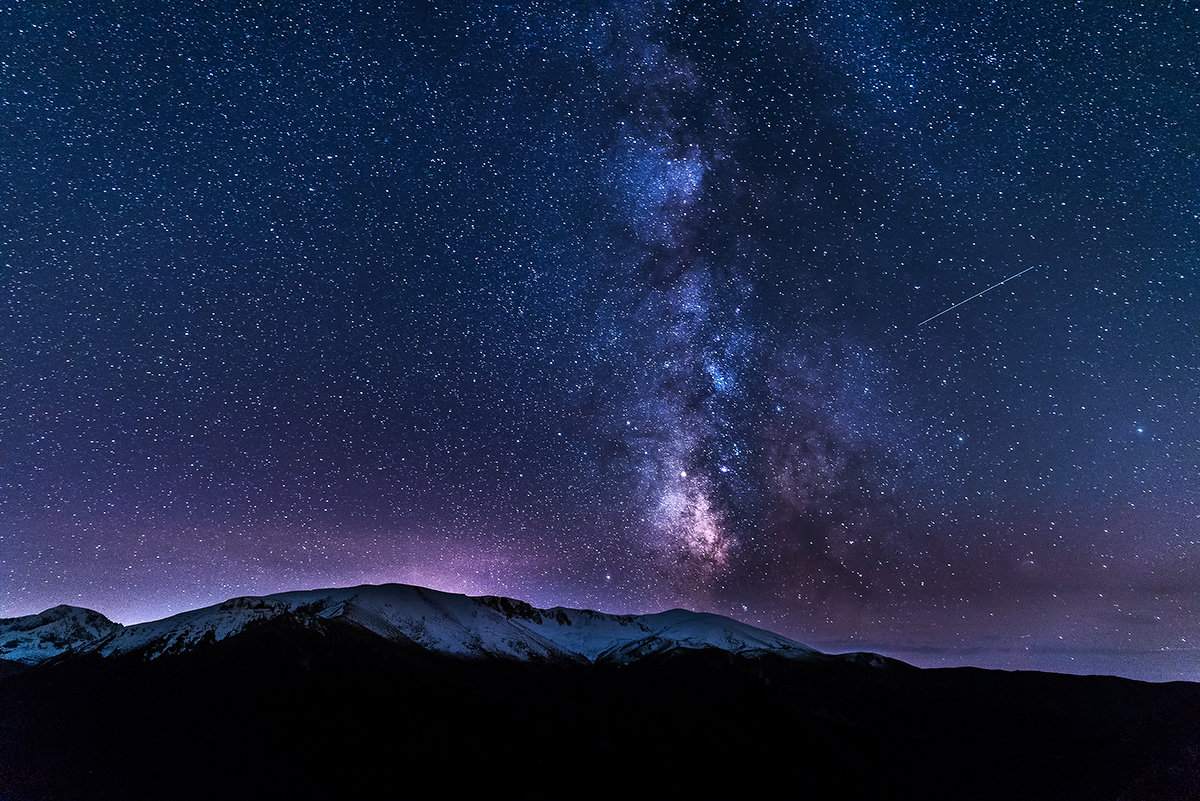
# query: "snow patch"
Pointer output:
{"type": "Point", "coordinates": [33, 639]}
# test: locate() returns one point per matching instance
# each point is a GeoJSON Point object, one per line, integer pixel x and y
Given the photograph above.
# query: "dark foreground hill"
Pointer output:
{"type": "Point", "coordinates": [294, 707]}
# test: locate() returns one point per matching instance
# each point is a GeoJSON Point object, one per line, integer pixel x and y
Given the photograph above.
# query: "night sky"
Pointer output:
{"type": "Point", "coordinates": [614, 305]}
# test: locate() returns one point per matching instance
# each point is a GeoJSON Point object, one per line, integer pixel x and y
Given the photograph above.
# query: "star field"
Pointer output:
{"type": "Point", "coordinates": [614, 305]}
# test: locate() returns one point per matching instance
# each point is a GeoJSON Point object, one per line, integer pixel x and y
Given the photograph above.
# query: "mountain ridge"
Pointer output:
{"type": "Point", "coordinates": [33, 639]}
{"type": "Point", "coordinates": [248, 698]}
{"type": "Point", "coordinates": [446, 623]}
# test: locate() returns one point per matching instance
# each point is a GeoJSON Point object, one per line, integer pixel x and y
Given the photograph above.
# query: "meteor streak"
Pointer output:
{"type": "Point", "coordinates": [977, 294]}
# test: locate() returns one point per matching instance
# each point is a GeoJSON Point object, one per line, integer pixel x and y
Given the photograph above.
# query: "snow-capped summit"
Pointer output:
{"type": "Point", "coordinates": [456, 625]}
{"type": "Point", "coordinates": [35, 638]}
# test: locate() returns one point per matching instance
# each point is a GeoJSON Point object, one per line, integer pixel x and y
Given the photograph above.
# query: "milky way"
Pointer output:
{"type": "Point", "coordinates": [616, 305]}
{"type": "Point", "coordinates": [749, 457]}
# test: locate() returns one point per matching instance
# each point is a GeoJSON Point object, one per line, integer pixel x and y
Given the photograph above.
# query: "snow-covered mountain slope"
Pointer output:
{"type": "Point", "coordinates": [460, 625]}
{"type": "Point", "coordinates": [36, 638]}
{"type": "Point", "coordinates": [596, 636]}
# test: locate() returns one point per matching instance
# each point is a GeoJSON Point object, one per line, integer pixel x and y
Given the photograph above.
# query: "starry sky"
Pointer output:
{"type": "Point", "coordinates": [620, 305]}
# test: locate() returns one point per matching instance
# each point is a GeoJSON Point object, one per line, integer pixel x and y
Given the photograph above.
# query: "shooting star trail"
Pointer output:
{"type": "Point", "coordinates": [977, 294]}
